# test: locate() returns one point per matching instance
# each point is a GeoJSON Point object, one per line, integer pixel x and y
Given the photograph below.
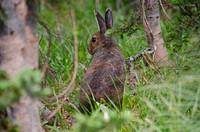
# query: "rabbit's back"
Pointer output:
{"type": "Point", "coordinates": [105, 76]}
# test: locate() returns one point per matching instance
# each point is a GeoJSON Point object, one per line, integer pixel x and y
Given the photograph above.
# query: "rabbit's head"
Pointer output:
{"type": "Point", "coordinates": [99, 39]}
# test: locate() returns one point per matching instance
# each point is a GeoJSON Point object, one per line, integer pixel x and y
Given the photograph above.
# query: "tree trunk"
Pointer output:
{"type": "Point", "coordinates": [19, 48]}
{"type": "Point", "coordinates": [151, 22]}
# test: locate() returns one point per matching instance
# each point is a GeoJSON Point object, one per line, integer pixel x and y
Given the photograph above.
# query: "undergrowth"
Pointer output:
{"type": "Point", "coordinates": [162, 103]}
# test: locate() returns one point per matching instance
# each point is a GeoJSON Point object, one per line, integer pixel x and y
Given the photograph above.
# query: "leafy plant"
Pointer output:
{"type": "Point", "coordinates": [25, 82]}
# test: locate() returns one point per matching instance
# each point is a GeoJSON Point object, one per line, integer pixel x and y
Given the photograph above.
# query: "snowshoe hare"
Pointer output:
{"type": "Point", "coordinates": [105, 77]}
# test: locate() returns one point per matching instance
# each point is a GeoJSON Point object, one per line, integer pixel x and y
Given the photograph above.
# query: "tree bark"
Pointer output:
{"type": "Point", "coordinates": [18, 49]}
{"type": "Point", "coordinates": [151, 22]}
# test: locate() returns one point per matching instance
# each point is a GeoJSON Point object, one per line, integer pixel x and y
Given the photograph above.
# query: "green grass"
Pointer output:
{"type": "Point", "coordinates": [170, 103]}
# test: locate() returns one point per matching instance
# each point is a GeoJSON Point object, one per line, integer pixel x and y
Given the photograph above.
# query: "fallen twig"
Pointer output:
{"type": "Point", "coordinates": [139, 55]}
{"type": "Point", "coordinates": [132, 78]}
{"type": "Point", "coordinates": [146, 60]}
{"type": "Point", "coordinates": [53, 113]}
{"type": "Point", "coordinates": [132, 59]}
{"type": "Point", "coordinates": [152, 62]}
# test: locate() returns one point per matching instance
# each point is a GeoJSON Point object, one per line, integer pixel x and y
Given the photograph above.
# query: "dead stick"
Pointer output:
{"type": "Point", "coordinates": [152, 62]}
{"type": "Point", "coordinates": [53, 113]}
{"type": "Point", "coordinates": [168, 18]}
{"type": "Point", "coordinates": [145, 22]}
{"type": "Point", "coordinates": [58, 28]}
{"type": "Point", "coordinates": [70, 86]}
{"type": "Point", "coordinates": [59, 33]}
{"type": "Point", "coordinates": [50, 69]}
{"type": "Point", "coordinates": [139, 55]}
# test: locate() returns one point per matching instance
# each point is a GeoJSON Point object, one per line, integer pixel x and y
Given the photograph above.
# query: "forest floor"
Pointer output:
{"type": "Point", "coordinates": [167, 102]}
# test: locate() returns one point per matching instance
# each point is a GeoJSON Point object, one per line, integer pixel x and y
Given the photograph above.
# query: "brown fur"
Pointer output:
{"type": "Point", "coordinates": [105, 76]}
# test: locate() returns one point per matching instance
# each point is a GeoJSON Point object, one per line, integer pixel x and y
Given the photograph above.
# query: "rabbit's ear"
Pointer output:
{"type": "Point", "coordinates": [109, 18]}
{"type": "Point", "coordinates": [101, 22]}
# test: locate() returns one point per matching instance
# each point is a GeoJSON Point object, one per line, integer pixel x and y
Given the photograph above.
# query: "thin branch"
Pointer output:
{"type": "Point", "coordinates": [45, 66]}
{"type": "Point", "coordinates": [53, 113]}
{"type": "Point", "coordinates": [139, 55]}
{"type": "Point", "coordinates": [132, 59]}
{"type": "Point", "coordinates": [184, 11]}
{"type": "Point", "coordinates": [132, 78]}
{"type": "Point", "coordinates": [59, 33]}
{"type": "Point", "coordinates": [152, 62]}
{"type": "Point", "coordinates": [146, 24]}
{"type": "Point", "coordinates": [69, 88]}
{"type": "Point", "coordinates": [168, 18]}
{"type": "Point", "coordinates": [147, 28]}
{"type": "Point", "coordinates": [50, 69]}
{"type": "Point", "coordinates": [58, 28]}
{"type": "Point", "coordinates": [44, 111]}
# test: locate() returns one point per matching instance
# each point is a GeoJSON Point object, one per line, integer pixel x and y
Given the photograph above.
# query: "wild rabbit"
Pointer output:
{"type": "Point", "coordinates": [105, 77]}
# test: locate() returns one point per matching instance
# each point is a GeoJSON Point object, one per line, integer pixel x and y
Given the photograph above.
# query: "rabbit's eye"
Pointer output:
{"type": "Point", "coordinates": [93, 39]}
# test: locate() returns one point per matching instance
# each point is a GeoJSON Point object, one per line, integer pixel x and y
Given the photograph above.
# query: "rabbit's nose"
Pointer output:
{"type": "Point", "coordinates": [90, 50]}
